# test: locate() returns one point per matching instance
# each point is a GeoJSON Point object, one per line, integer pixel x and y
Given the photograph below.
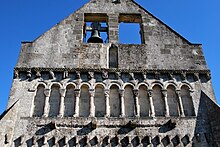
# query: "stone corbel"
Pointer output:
{"type": "Point", "coordinates": [29, 74]}
{"type": "Point", "coordinates": [183, 76]}
{"type": "Point", "coordinates": [157, 75]}
{"type": "Point", "coordinates": [132, 76]}
{"type": "Point", "coordinates": [144, 75]}
{"type": "Point", "coordinates": [38, 74]}
{"type": "Point", "coordinates": [118, 75]}
{"type": "Point", "coordinates": [104, 74]}
{"type": "Point", "coordinates": [196, 76]}
{"type": "Point", "coordinates": [78, 75]}
{"type": "Point", "coordinates": [52, 75]}
{"type": "Point", "coordinates": [16, 74]}
{"type": "Point", "coordinates": [171, 76]}
{"type": "Point", "coordinates": [65, 74]}
{"type": "Point", "coordinates": [208, 76]}
{"type": "Point", "coordinates": [91, 75]}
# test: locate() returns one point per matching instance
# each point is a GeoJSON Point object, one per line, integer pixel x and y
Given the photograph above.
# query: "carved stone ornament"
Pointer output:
{"type": "Point", "coordinates": [91, 75]}
{"type": "Point", "coordinates": [104, 74]}
{"type": "Point", "coordinates": [16, 74]}
{"type": "Point", "coordinates": [52, 75]}
{"type": "Point", "coordinates": [38, 74]}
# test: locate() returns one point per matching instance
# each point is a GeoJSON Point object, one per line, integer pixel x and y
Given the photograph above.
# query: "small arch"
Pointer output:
{"type": "Point", "coordinates": [129, 101]}
{"type": "Point", "coordinates": [84, 101]}
{"type": "Point", "coordinates": [184, 83]}
{"type": "Point", "coordinates": [128, 84]}
{"type": "Point", "coordinates": [40, 83]}
{"type": "Point", "coordinates": [55, 83]}
{"type": "Point", "coordinates": [100, 106]}
{"type": "Point", "coordinates": [39, 101]}
{"type": "Point", "coordinates": [54, 101]}
{"type": "Point", "coordinates": [172, 100]}
{"type": "Point", "coordinates": [143, 84]}
{"type": "Point", "coordinates": [69, 84]}
{"type": "Point", "coordinates": [114, 84]}
{"type": "Point", "coordinates": [114, 101]}
{"type": "Point", "coordinates": [158, 101]}
{"type": "Point", "coordinates": [156, 83]}
{"type": "Point", "coordinates": [144, 101]}
{"type": "Point", "coordinates": [171, 84]}
{"type": "Point", "coordinates": [113, 57]}
{"type": "Point", "coordinates": [187, 101]}
{"type": "Point", "coordinates": [83, 84]}
{"type": "Point", "coordinates": [69, 101]}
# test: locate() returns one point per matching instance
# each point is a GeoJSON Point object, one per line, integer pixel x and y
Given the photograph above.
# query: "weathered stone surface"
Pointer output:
{"type": "Point", "coordinates": [69, 92]}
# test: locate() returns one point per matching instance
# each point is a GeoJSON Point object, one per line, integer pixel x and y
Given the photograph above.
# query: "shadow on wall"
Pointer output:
{"type": "Point", "coordinates": [207, 131]}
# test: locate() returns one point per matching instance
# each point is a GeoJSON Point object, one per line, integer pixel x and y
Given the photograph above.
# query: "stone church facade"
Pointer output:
{"type": "Point", "coordinates": [68, 91]}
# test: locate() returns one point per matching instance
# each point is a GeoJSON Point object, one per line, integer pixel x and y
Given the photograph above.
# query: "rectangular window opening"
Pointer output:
{"type": "Point", "coordinates": [95, 28]}
{"type": "Point", "coordinates": [130, 31]}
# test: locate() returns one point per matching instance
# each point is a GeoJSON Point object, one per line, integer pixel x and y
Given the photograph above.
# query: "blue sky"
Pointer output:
{"type": "Point", "coordinates": [24, 20]}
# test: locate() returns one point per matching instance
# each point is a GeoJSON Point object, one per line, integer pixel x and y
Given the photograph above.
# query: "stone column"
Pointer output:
{"type": "Point", "coordinates": [62, 97]}
{"type": "Point", "coordinates": [122, 103]}
{"type": "Point", "coordinates": [46, 103]}
{"type": "Point", "coordinates": [77, 95]}
{"type": "Point", "coordinates": [107, 103]}
{"type": "Point", "coordinates": [178, 92]}
{"type": "Point", "coordinates": [137, 106]}
{"type": "Point", "coordinates": [92, 104]}
{"type": "Point", "coordinates": [167, 111]}
{"type": "Point", "coordinates": [152, 110]}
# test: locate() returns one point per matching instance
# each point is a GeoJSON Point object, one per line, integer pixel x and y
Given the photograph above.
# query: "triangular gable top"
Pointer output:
{"type": "Point", "coordinates": [125, 6]}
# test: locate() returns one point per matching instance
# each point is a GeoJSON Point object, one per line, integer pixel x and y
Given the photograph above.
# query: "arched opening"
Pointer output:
{"type": "Point", "coordinates": [54, 101]}
{"type": "Point", "coordinates": [187, 101]}
{"type": "Point", "coordinates": [129, 101]}
{"type": "Point", "coordinates": [99, 101]}
{"type": "Point", "coordinates": [113, 57]}
{"type": "Point", "coordinates": [69, 101]}
{"type": "Point", "coordinates": [158, 101]}
{"type": "Point", "coordinates": [84, 101]}
{"type": "Point", "coordinates": [114, 101]}
{"type": "Point", "coordinates": [39, 101]}
{"type": "Point", "coordinates": [172, 100]}
{"type": "Point", "coordinates": [144, 101]}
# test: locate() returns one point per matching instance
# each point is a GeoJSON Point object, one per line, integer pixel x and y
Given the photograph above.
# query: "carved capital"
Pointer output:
{"type": "Point", "coordinates": [92, 92]}
{"type": "Point", "coordinates": [47, 92]}
{"type": "Point", "coordinates": [136, 93]}
{"type": "Point", "coordinates": [164, 92]}
{"type": "Point", "coordinates": [150, 93]}
{"type": "Point", "coordinates": [107, 92]}
{"type": "Point", "coordinates": [77, 92]}
{"type": "Point", "coordinates": [178, 92]}
{"type": "Point", "coordinates": [62, 92]}
{"type": "Point", "coordinates": [122, 92]}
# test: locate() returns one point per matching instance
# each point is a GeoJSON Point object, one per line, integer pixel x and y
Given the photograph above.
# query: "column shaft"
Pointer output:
{"type": "Point", "coordinates": [151, 103]}
{"type": "Point", "coordinates": [46, 104]}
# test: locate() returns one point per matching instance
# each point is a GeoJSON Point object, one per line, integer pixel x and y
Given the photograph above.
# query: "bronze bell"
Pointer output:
{"type": "Point", "coordinates": [95, 37]}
